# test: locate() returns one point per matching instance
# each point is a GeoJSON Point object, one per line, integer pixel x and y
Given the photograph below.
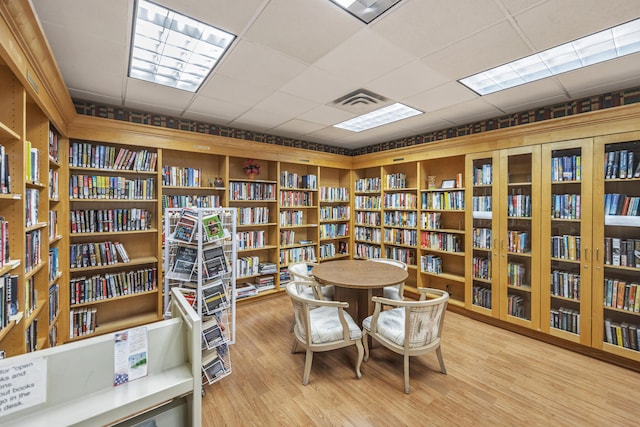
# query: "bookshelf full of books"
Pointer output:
{"type": "Point", "coordinates": [367, 203]}
{"type": "Point", "coordinates": [193, 178]}
{"type": "Point", "coordinates": [616, 236]}
{"type": "Point", "coordinates": [254, 196]}
{"type": "Point", "coordinates": [400, 214]}
{"type": "Point", "coordinates": [441, 227]}
{"type": "Point", "coordinates": [113, 238]}
{"type": "Point", "coordinates": [519, 235]}
{"type": "Point", "coordinates": [335, 213]}
{"type": "Point", "coordinates": [199, 256]}
{"type": "Point", "coordinates": [298, 214]}
{"type": "Point", "coordinates": [565, 297]}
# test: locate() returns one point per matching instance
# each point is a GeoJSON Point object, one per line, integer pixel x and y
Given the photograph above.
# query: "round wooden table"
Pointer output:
{"type": "Point", "coordinates": [356, 281]}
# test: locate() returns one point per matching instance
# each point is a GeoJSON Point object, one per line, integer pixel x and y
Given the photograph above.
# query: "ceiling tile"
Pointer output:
{"type": "Point", "coordinates": [154, 94]}
{"type": "Point", "coordinates": [234, 91]}
{"type": "Point", "coordinates": [317, 85]}
{"type": "Point", "coordinates": [296, 128]}
{"type": "Point", "coordinates": [467, 112]}
{"type": "Point", "coordinates": [259, 65]}
{"type": "Point", "coordinates": [221, 110]}
{"type": "Point", "coordinates": [326, 115]}
{"type": "Point", "coordinates": [306, 37]}
{"type": "Point", "coordinates": [364, 57]}
{"type": "Point", "coordinates": [259, 120]}
{"type": "Point", "coordinates": [407, 80]}
{"type": "Point", "coordinates": [527, 96]}
{"type": "Point", "coordinates": [285, 104]}
{"type": "Point", "coordinates": [610, 74]}
{"type": "Point", "coordinates": [440, 97]}
{"type": "Point", "coordinates": [422, 27]}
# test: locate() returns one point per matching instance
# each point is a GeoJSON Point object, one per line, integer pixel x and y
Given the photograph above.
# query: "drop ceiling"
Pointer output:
{"type": "Point", "coordinates": [293, 58]}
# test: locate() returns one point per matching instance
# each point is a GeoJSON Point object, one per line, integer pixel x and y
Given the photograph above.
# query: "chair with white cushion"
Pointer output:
{"type": "Point", "coordinates": [322, 326]}
{"type": "Point", "coordinates": [410, 328]}
{"type": "Point", "coordinates": [299, 271]}
{"type": "Point", "coordinates": [395, 292]}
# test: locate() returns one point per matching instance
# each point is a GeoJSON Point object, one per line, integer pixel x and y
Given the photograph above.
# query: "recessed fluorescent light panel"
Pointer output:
{"type": "Point", "coordinates": [366, 10]}
{"type": "Point", "coordinates": [172, 49]}
{"type": "Point", "coordinates": [382, 116]}
{"type": "Point", "coordinates": [599, 47]}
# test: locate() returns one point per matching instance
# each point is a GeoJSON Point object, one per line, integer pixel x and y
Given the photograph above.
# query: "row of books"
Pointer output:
{"type": "Point", "coordinates": [519, 205]}
{"type": "Point", "coordinates": [33, 243]}
{"type": "Point", "coordinates": [287, 237]}
{"type": "Point", "coordinates": [247, 266]}
{"type": "Point", "coordinates": [395, 180]}
{"type": "Point", "coordinates": [517, 274]}
{"type": "Point", "coordinates": [332, 231]}
{"type": "Point", "coordinates": [239, 191]}
{"type": "Point", "coordinates": [364, 185]}
{"type": "Point", "coordinates": [32, 163]}
{"type": "Point", "coordinates": [190, 201]}
{"type": "Point", "coordinates": [431, 264]}
{"type": "Point", "coordinates": [565, 206]}
{"type": "Point", "coordinates": [566, 247]}
{"type": "Point", "coordinates": [5, 172]}
{"type": "Point", "coordinates": [54, 146]}
{"type": "Point", "coordinates": [400, 201]}
{"type": "Point", "coordinates": [290, 218]}
{"type": "Point", "coordinates": [181, 177]}
{"type": "Point", "coordinates": [621, 204]}
{"type": "Point", "coordinates": [445, 200]}
{"type": "Point", "coordinates": [334, 194]}
{"type": "Point", "coordinates": [54, 263]}
{"type": "Point", "coordinates": [329, 250]}
{"type": "Point", "coordinates": [8, 298]}
{"type": "Point", "coordinates": [481, 238]}
{"type": "Point", "coordinates": [290, 198]}
{"type": "Point", "coordinates": [622, 252]}
{"type": "Point", "coordinates": [481, 296]}
{"type": "Point", "coordinates": [291, 255]}
{"type": "Point", "coordinates": [621, 164]}
{"type": "Point", "coordinates": [250, 239]}
{"type": "Point", "coordinates": [400, 219]}
{"type": "Point", "coordinates": [366, 251]}
{"type": "Point", "coordinates": [565, 319]}
{"type": "Point", "coordinates": [565, 284]}
{"type": "Point", "coordinates": [111, 285]}
{"type": "Point", "coordinates": [54, 184]}
{"type": "Point", "coordinates": [516, 306]}
{"type": "Point", "coordinates": [335, 213]}
{"type": "Point", "coordinates": [54, 302]}
{"type": "Point", "coordinates": [517, 241]}
{"type": "Point", "coordinates": [481, 203]}
{"type": "Point", "coordinates": [408, 256]}
{"type": "Point", "coordinates": [94, 254]}
{"type": "Point", "coordinates": [368, 218]}
{"type": "Point", "coordinates": [245, 289]}
{"type": "Point", "coordinates": [481, 268]}
{"type": "Point", "coordinates": [367, 202]}
{"type": "Point", "coordinates": [88, 155]}
{"type": "Point", "coordinates": [111, 187]}
{"type": "Point", "coordinates": [398, 236]}
{"type": "Point", "coordinates": [294, 180]}
{"type": "Point", "coordinates": [622, 294]}
{"type": "Point", "coordinates": [31, 337]}
{"type": "Point", "coordinates": [32, 203]}
{"type": "Point", "coordinates": [82, 321]}
{"type": "Point", "coordinates": [368, 234]}
{"type": "Point", "coordinates": [109, 220]}
{"type": "Point", "coordinates": [4, 242]}
{"type": "Point", "coordinates": [566, 168]}
{"type": "Point", "coordinates": [442, 241]}
{"type": "Point", "coordinates": [622, 334]}
{"type": "Point", "coordinates": [30, 296]}
{"type": "Point", "coordinates": [482, 175]}
{"type": "Point", "coordinates": [254, 215]}
{"type": "Point", "coordinates": [53, 224]}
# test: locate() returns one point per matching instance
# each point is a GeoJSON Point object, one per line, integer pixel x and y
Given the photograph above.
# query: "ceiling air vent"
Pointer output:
{"type": "Point", "coordinates": [361, 101]}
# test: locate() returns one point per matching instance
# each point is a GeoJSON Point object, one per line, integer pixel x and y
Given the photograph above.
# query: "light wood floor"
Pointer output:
{"type": "Point", "coordinates": [495, 377]}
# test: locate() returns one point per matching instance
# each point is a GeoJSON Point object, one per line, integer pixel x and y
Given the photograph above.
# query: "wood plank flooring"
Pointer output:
{"type": "Point", "coordinates": [495, 378]}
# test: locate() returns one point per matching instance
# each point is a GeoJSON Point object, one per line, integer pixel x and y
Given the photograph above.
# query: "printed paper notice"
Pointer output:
{"type": "Point", "coordinates": [130, 355]}
{"type": "Point", "coordinates": [22, 385]}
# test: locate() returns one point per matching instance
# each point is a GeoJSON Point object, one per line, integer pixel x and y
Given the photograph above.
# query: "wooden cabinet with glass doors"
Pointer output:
{"type": "Point", "coordinates": [616, 240]}
{"type": "Point", "coordinates": [566, 218]}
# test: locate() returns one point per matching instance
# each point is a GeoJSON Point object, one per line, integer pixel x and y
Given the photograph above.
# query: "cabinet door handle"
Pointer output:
{"type": "Point", "coordinates": [597, 254]}
{"type": "Point", "coordinates": [495, 243]}
{"type": "Point", "coordinates": [585, 254]}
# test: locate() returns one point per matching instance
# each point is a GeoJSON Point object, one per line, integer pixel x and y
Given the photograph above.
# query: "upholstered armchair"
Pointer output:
{"type": "Point", "coordinates": [322, 326]}
{"type": "Point", "coordinates": [299, 271]}
{"type": "Point", "coordinates": [410, 328]}
{"type": "Point", "coordinates": [395, 292]}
